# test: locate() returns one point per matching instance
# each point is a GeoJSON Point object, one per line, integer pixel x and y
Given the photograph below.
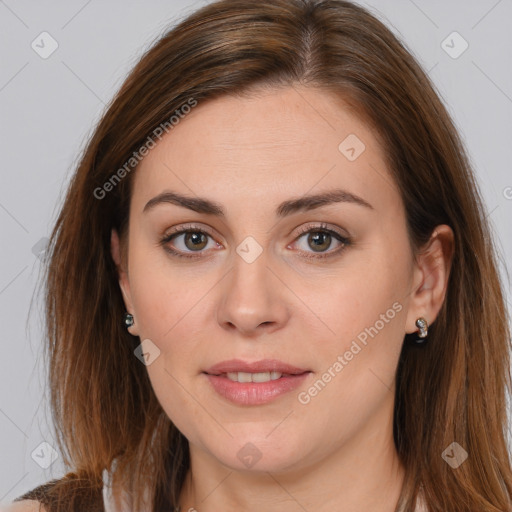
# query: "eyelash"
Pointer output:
{"type": "Point", "coordinates": [323, 228]}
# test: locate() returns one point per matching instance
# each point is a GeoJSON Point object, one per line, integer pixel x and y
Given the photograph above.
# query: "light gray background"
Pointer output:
{"type": "Point", "coordinates": [49, 107]}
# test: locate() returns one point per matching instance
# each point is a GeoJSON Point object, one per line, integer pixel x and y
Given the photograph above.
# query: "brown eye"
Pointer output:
{"type": "Point", "coordinates": [192, 242]}
{"type": "Point", "coordinates": [319, 240]}
{"type": "Point", "coordinates": [185, 242]}
{"type": "Point", "coordinates": [195, 240]}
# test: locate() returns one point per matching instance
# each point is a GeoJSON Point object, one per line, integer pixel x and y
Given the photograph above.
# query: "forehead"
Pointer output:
{"type": "Point", "coordinates": [262, 149]}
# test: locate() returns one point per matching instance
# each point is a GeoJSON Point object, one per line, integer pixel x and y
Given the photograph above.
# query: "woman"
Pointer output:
{"type": "Point", "coordinates": [272, 285]}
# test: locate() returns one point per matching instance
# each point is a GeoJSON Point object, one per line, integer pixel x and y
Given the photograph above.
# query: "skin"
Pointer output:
{"type": "Point", "coordinates": [250, 154]}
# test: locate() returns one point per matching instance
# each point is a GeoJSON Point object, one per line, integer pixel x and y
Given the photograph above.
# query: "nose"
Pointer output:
{"type": "Point", "coordinates": [253, 299]}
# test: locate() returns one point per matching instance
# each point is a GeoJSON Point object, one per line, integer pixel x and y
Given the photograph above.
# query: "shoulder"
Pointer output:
{"type": "Point", "coordinates": [69, 493]}
{"type": "Point", "coordinates": [30, 501]}
{"type": "Point", "coordinates": [23, 506]}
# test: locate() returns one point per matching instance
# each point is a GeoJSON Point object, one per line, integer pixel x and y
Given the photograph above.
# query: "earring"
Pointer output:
{"type": "Point", "coordinates": [128, 320]}
{"type": "Point", "coordinates": [422, 325]}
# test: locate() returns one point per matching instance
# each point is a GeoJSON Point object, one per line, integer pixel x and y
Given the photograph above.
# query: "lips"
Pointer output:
{"type": "Point", "coordinates": [264, 365]}
{"type": "Point", "coordinates": [256, 383]}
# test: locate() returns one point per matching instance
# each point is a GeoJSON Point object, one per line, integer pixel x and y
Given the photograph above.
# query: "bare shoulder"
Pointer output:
{"type": "Point", "coordinates": [23, 506]}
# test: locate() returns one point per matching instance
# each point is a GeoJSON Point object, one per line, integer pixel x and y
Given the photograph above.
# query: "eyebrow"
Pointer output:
{"type": "Point", "coordinates": [304, 203]}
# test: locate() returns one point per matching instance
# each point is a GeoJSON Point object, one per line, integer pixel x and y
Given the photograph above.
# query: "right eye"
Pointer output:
{"type": "Point", "coordinates": [189, 240]}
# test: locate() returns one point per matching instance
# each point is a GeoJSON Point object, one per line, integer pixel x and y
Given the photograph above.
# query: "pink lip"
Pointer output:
{"type": "Point", "coordinates": [254, 393]}
{"type": "Point", "coordinates": [264, 365]}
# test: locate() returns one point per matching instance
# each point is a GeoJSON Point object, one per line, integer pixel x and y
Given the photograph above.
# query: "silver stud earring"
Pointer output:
{"type": "Point", "coordinates": [128, 320]}
{"type": "Point", "coordinates": [422, 325]}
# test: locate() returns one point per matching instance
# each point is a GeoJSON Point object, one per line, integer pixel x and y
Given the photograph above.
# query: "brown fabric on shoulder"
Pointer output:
{"type": "Point", "coordinates": [67, 494]}
{"type": "Point", "coordinates": [38, 493]}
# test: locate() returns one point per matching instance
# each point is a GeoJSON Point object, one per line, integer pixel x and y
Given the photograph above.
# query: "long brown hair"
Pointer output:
{"type": "Point", "coordinates": [453, 389]}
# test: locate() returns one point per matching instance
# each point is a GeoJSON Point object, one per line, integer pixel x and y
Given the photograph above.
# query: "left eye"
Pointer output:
{"type": "Point", "coordinates": [320, 240]}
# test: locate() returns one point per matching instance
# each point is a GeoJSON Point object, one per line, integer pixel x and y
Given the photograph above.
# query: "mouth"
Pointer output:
{"type": "Point", "coordinates": [262, 366]}
{"type": "Point", "coordinates": [255, 383]}
{"type": "Point", "coordinates": [253, 377]}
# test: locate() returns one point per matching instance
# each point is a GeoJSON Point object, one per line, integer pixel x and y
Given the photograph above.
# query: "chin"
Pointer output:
{"type": "Point", "coordinates": [259, 452]}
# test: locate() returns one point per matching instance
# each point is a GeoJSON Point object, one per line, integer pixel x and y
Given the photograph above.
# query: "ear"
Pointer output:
{"type": "Point", "coordinates": [430, 277]}
{"type": "Point", "coordinates": [124, 282]}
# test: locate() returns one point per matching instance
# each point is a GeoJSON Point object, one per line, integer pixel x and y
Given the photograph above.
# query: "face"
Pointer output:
{"type": "Point", "coordinates": [314, 296]}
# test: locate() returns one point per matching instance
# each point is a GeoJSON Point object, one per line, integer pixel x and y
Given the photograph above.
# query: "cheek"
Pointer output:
{"type": "Point", "coordinates": [366, 312]}
{"type": "Point", "coordinates": [358, 361]}
{"type": "Point", "coordinates": [366, 295]}
{"type": "Point", "coordinates": [163, 293]}
{"type": "Point", "coordinates": [170, 303]}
